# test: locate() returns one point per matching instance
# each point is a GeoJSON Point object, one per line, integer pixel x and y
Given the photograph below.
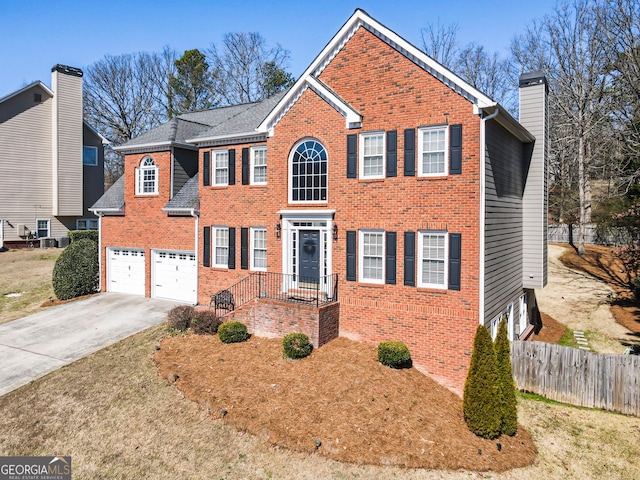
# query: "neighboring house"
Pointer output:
{"type": "Point", "coordinates": [412, 202]}
{"type": "Point", "coordinates": [52, 161]}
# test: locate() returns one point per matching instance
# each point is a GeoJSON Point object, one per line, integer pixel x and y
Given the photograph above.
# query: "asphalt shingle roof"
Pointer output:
{"type": "Point", "coordinates": [113, 198]}
{"type": "Point", "coordinates": [187, 197]}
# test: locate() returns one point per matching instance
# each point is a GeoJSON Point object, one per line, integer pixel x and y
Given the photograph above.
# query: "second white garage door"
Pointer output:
{"type": "Point", "coordinates": [175, 276]}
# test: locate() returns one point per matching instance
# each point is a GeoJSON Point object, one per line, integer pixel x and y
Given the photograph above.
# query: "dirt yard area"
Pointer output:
{"type": "Point", "coordinates": [581, 296]}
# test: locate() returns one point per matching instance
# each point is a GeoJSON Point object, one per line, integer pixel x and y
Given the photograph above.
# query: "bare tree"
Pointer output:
{"type": "Point", "coordinates": [241, 64]}
{"type": "Point", "coordinates": [441, 43]}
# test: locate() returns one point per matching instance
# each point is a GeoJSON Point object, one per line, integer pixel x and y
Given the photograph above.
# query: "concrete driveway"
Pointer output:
{"type": "Point", "coordinates": [33, 346]}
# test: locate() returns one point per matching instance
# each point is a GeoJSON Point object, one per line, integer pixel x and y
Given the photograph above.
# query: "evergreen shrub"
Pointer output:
{"type": "Point", "coordinates": [232, 332]}
{"type": "Point", "coordinates": [296, 345]}
{"type": "Point", "coordinates": [76, 270]}
{"type": "Point", "coordinates": [393, 354]}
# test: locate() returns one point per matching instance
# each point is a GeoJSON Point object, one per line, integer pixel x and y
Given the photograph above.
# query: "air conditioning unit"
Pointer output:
{"type": "Point", "coordinates": [23, 230]}
{"type": "Point", "coordinates": [63, 242]}
{"type": "Point", "coordinates": [48, 243]}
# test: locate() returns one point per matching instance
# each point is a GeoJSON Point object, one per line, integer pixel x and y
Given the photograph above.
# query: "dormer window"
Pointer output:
{"type": "Point", "coordinates": [147, 177]}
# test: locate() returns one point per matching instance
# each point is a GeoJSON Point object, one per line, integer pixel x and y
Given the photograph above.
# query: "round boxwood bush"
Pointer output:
{"type": "Point", "coordinates": [232, 332]}
{"type": "Point", "coordinates": [76, 270]}
{"type": "Point", "coordinates": [205, 322]}
{"type": "Point", "coordinates": [179, 318]}
{"type": "Point", "coordinates": [296, 345]}
{"type": "Point", "coordinates": [393, 354]}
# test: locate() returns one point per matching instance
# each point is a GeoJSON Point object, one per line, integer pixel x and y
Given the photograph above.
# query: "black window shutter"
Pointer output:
{"type": "Point", "coordinates": [244, 248]}
{"type": "Point", "coordinates": [352, 156]}
{"type": "Point", "coordinates": [455, 256]}
{"type": "Point", "coordinates": [351, 255]}
{"type": "Point", "coordinates": [410, 152]}
{"type": "Point", "coordinates": [232, 248]}
{"type": "Point", "coordinates": [206, 249]}
{"type": "Point", "coordinates": [232, 167]}
{"type": "Point", "coordinates": [245, 166]}
{"type": "Point", "coordinates": [410, 259]}
{"type": "Point", "coordinates": [392, 153]}
{"type": "Point", "coordinates": [455, 149]}
{"type": "Point", "coordinates": [390, 264]}
{"type": "Point", "coordinates": [206, 169]}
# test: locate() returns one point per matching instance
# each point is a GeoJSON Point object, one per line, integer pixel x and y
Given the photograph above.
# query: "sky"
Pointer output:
{"type": "Point", "coordinates": [37, 34]}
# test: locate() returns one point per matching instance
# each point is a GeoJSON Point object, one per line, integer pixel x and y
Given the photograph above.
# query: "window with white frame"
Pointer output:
{"type": "Point", "coordinates": [432, 151]}
{"type": "Point", "coordinates": [308, 172]}
{"type": "Point", "coordinates": [220, 247]}
{"type": "Point", "coordinates": [147, 177]}
{"type": "Point", "coordinates": [221, 167]}
{"type": "Point", "coordinates": [87, 224]}
{"type": "Point", "coordinates": [372, 155]}
{"type": "Point", "coordinates": [258, 165]}
{"type": "Point", "coordinates": [259, 249]}
{"type": "Point", "coordinates": [371, 261]}
{"type": "Point", "coordinates": [432, 259]}
{"type": "Point", "coordinates": [90, 156]}
{"type": "Point", "coordinates": [43, 228]}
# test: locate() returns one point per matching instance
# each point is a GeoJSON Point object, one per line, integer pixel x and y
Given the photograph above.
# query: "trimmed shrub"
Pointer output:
{"type": "Point", "coordinates": [296, 345]}
{"type": "Point", "coordinates": [394, 354]}
{"type": "Point", "coordinates": [480, 401]}
{"type": "Point", "coordinates": [506, 385]}
{"type": "Point", "coordinates": [205, 322]}
{"type": "Point", "coordinates": [179, 318]}
{"type": "Point", "coordinates": [232, 332]}
{"type": "Point", "coordinates": [76, 270]}
{"type": "Point", "coordinates": [75, 235]}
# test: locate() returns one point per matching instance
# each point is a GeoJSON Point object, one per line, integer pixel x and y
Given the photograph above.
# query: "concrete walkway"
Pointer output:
{"type": "Point", "coordinates": [33, 346]}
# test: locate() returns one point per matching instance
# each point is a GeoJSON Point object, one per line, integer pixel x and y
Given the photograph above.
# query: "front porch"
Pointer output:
{"type": "Point", "coordinates": [273, 304]}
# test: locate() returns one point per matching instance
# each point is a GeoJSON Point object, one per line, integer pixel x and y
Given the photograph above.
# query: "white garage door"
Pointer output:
{"type": "Point", "coordinates": [175, 276]}
{"type": "Point", "coordinates": [125, 270]}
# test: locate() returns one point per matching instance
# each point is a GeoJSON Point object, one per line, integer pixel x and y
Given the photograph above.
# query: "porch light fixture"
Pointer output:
{"type": "Point", "coordinates": [335, 232]}
{"type": "Point", "coordinates": [278, 229]}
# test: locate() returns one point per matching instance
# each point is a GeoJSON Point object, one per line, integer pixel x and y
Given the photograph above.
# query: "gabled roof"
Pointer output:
{"type": "Point", "coordinates": [186, 199]}
{"type": "Point", "coordinates": [112, 201]}
{"type": "Point", "coordinates": [360, 19]}
{"type": "Point", "coordinates": [173, 133]}
{"type": "Point", "coordinates": [37, 83]}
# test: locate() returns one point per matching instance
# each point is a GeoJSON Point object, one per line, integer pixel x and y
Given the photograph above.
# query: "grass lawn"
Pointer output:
{"type": "Point", "coordinates": [118, 418]}
{"type": "Point", "coordinates": [25, 281]}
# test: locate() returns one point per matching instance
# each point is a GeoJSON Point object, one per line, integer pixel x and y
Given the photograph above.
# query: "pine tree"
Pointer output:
{"type": "Point", "coordinates": [506, 385]}
{"type": "Point", "coordinates": [481, 402]}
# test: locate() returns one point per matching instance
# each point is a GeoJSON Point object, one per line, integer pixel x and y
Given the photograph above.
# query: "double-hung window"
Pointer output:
{"type": "Point", "coordinates": [43, 228]}
{"type": "Point", "coordinates": [221, 167]}
{"type": "Point", "coordinates": [87, 224]}
{"type": "Point", "coordinates": [259, 248]}
{"type": "Point", "coordinates": [432, 259]}
{"type": "Point", "coordinates": [147, 177]}
{"type": "Point", "coordinates": [372, 161]}
{"type": "Point", "coordinates": [371, 259]}
{"type": "Point", "coordinates": [220, 247]}
{"type": "Point", "coordinates": [259, 166]}
{"type": "Point", "coordinates": [432, 151]}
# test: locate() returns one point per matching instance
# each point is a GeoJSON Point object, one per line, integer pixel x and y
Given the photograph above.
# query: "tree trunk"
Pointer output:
{"type": "Point", "coordinates": [581, 189]}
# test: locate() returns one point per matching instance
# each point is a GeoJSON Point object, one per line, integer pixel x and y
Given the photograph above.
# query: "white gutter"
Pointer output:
{"type": "Point", "coordinates": [483, 149]}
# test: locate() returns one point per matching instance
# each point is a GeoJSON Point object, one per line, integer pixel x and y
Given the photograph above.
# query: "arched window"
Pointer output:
{"type": "Point", "coordinates": [308, 172]}
{"type": "Point", "coordinates": [147, 177]}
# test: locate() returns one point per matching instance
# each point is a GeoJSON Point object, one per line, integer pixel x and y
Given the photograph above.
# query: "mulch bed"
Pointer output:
{"type": "Point", "coordinates": [361, 411]}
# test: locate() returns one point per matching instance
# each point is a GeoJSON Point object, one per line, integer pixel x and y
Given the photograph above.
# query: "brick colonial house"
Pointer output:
{"type": "Point", "coordinates": [381, 197]}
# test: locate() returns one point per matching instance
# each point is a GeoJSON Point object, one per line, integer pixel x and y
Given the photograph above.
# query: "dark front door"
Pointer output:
{"type": "Point", "coordinates": [309, 256]}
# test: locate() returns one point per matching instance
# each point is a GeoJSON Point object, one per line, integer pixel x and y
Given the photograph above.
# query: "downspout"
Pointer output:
{"type": "Point", "coordinates": [483, 150]}
{"type": "Point", "coordinates": [196, 215]}
{"type": "Point", "coordinates": [100, 215]}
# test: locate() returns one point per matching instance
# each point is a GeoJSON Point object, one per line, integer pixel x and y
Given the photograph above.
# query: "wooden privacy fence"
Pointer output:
{"type": "Point", "coordinates": [574, 376]}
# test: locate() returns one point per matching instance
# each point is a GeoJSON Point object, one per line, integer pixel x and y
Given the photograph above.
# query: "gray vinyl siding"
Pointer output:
{"type": "Point", "coordinates": [25, 161]}
{"type": "Point", "coordinates": [185, 166]}
{"type": "Point", "coordinates": [503, 220]}
{"type": "Point", "coordinates": [68, 95]}
{"type": "Point", "coordinates": [93, 176]}
{"type": "Point", "coordinates": [533, 111]}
